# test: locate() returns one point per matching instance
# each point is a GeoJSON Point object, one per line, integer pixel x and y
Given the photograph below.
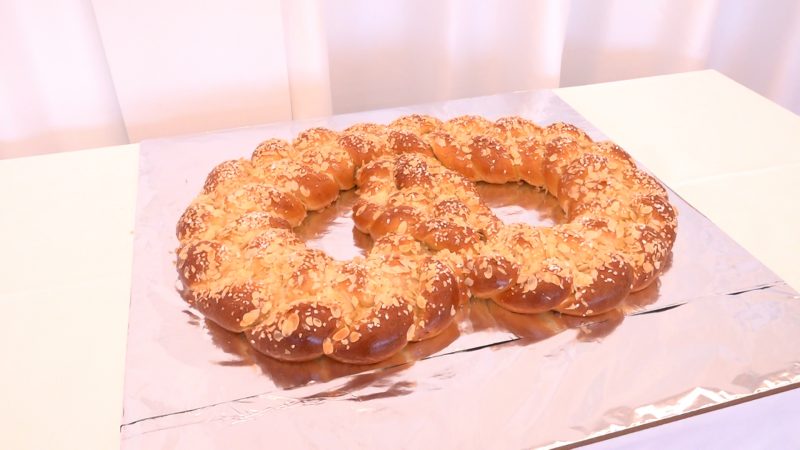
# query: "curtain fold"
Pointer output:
{"type": "Point", "coordinates": [306, 58]}
{"type": "Point", "coordinates": [55, 88]}
{"type": "Point", "coordinates": [183, 66]}
{"type": "Point", "coordinates": [400, 52]}
{"type": "Point", "coordinates": [86, 73]}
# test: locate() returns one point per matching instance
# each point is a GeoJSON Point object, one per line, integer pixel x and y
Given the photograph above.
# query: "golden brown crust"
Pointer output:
{"type": "Point", "coordinates": [545, 296]}
{"type": "Point", "coordinates": [196, 222]}
{"type": "Point", "coordinates": [610, 285]}
{"type": "Point", "coordinates": [439, 234]}
{"type": "Point", "coordinates": [491, 275]}
{"type": "Point", "coordinates": [368, 341]}
{"type": "Point", "coordinates": [417, 123]}
{"type": "Point", "coordinates": [400, 219]}
{"type": "Point", "coordinates": [439, 297]}
{"type": "Point", "coordinates": [230, 306]}
{"type": "Point", "coordinates": [410, 172]}
{"type": "Point", "coordinates": [531, 159]}
{"type": "Point", "coordinates": [363, 147]}
{"type": "Point", "coordinates": [270, 151]}
{"type": "Point", "coordinates": [452, 155]}
{"type": "Point", "coordinates": [295, 333]}
{"type": "Point", "coordinates": [226, 173]}
{"type": "Point", "coordinates": [491, 159]}
{"type": "Point", "coordinates": [512, 129]}
{"type": "Point", "coordinates": [436, 243]}
{"type": "Point", "coordinates": [402, 142]}
{"type": "Point", "coordinates": [200, 261]}
{"type": "Point", "coordinates": [264, 197]}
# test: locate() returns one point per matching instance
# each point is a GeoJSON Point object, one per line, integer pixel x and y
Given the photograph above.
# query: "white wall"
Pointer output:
{"type": "Point", "coordinates": [86, 73]}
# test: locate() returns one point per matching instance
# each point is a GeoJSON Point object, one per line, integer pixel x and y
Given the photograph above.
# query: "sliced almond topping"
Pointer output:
{"type": "Point", "coordinates": [249, 318]}
{"type": "Point", "coordinates": [290, 324]}
{"type": "Point", "coordinates": [402, 228]}
{"type": "Point", "coordinates": [410, 333]}
{"type": "Point", "coordinates": [594, 182]}
{"type": "Point", "coordinates": [341, 334]}
{"type": "Point", "coordinates": [327, 346]}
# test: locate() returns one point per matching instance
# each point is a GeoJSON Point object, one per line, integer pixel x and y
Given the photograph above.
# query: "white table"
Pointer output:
{"type": "Point", "coordinates": [67, 221]}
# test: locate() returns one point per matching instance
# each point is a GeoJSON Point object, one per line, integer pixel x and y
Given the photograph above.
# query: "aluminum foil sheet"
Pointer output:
{"type": "Point", "coordinates": [717, 327]}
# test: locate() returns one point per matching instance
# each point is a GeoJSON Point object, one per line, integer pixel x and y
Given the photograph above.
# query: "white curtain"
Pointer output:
{"type": "Point", "coordinates": [87, 73]}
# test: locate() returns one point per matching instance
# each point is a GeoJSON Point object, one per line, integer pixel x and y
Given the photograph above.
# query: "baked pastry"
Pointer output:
{"type": "Point", "coordinates": [436, 243]}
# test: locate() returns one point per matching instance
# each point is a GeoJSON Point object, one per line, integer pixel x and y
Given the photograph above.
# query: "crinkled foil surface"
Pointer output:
{"type": "Point", "coordinates": [717, 327]}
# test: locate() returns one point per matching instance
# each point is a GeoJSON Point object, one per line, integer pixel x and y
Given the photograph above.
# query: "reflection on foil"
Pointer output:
{"type": "Point", "coordinates": [480, 316]}
{"type": "Point", "coordinates": [521, 203]}
{"type": "Point", "coordinates": [695, 339]}
{"type": "Point", "coordinates": [639, 301]}
{"type": "Point", "coordinates": [559, 391]}
{"type": "Point", "coordinates": [331, 230]}
{"type": "Point", "coordinates": [288, 375]}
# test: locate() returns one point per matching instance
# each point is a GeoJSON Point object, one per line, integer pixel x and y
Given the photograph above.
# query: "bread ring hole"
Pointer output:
{"type": "Point", "coordinates": [522, 203]}
{"type": "Point", "coordinates": [332, 230]}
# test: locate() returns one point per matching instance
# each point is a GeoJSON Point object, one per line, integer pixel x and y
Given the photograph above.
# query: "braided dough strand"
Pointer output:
{"type": "Point", "coordinates": [436, 243]}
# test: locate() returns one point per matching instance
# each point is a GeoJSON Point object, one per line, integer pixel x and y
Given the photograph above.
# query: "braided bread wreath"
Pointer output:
{"type": "Point", "coordinates": [436, 243]}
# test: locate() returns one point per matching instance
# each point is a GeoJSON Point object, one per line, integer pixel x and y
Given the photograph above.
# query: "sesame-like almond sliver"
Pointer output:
{"type": "Point", "coordinates": [290, 324]}
{"type": "Point", "coordinates": [249, 317]}
{"type": "Point", "coordinates": [341, 334]}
